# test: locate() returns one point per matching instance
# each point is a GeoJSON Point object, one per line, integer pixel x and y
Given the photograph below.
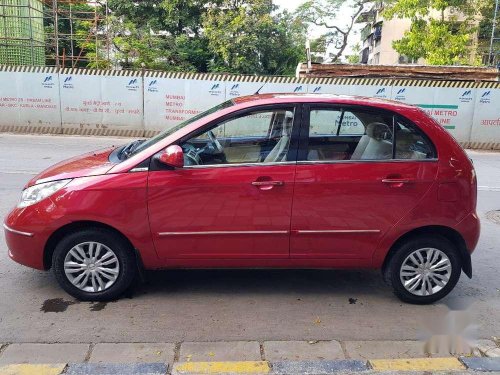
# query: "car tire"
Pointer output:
{"type": "Point", "coordinates": [423, 257]}
{"type": "Point", "coordinates": [94, 264]}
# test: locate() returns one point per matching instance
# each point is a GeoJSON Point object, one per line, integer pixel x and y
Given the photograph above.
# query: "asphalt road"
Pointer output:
{"type": "Point", "coordinates": [215, 305]}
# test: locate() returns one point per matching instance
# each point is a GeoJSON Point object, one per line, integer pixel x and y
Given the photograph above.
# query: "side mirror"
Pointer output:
{"type": "Point", "coordinates": [172, 156]}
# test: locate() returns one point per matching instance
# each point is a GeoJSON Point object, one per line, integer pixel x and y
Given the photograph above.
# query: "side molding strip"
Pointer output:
{"type": "Point", "coordinates": [163, 234]}
{"type": "Point", "coordinates": [333, 231]}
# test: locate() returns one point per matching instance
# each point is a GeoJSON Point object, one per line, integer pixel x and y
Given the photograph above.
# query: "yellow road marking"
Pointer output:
{"type": "Point", "coordinates": [244, 367]}
{"type": "Point", "coordinates": [417, 364]}
{"type": "Point", "coordinates": [25, 369]}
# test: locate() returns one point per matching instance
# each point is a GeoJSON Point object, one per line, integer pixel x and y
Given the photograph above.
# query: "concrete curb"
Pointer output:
{"type": "Point", "coordinates": [446, 364]}
{"type": "Point", "coordinates": [116, 369]}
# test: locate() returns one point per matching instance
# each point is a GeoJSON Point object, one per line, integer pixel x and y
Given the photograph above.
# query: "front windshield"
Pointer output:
{"type": "Point", "coordinates": [164, 134]}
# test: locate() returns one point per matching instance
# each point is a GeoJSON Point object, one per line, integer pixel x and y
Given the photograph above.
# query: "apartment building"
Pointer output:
{"type": "Point", "coordinates": [378, 35]}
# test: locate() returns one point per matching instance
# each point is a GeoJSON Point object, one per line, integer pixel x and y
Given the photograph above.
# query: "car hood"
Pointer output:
{"type": "Point", "coordinates": [90, 164]}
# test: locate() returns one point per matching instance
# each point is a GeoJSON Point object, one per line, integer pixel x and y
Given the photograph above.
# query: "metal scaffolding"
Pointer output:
{"type": "Point", "coordinates": [22, 40]}
{"type": "Point", "coordinates": [64, 33]}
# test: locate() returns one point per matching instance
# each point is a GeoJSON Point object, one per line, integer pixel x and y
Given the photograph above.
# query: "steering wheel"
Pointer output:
{"type": "Point", "coordinates": [218, 147]}
{"type": "Point", "coordinates": [191, 154]}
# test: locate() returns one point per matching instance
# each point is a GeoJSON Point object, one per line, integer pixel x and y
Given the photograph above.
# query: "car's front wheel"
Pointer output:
{"type": "Point", "coordinates": [423, 269]}
{"type": "Point", "coordinates": [94, 264]}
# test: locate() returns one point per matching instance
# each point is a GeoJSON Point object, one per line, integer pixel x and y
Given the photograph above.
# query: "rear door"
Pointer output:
{"type": "Point", "coordinates": [360, 170]}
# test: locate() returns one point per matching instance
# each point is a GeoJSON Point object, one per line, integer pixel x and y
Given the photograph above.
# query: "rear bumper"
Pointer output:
{"type": "Point", "coordinates": [470, 228]}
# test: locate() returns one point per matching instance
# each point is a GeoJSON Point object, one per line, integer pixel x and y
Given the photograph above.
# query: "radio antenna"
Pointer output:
{"type": "Point", "coordinates": [260, 88]}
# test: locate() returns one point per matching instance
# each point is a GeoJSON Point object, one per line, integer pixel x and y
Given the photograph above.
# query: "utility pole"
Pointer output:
{"type": "Point", "coordinates": [56, 31]}
{"type": "Point", "coordinates": [493, 26]}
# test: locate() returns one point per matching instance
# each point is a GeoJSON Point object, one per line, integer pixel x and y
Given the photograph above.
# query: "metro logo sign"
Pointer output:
{"type": "Point", "coordinates": [67, 83]}
{"type": "Point", "coordinates": [485, 98]}
{"type": "Point", "coordinates": [466, 97]}
{"type": "Point", "coordinates": [132, 85]}
{"type": "Point", "coordinates": [48, 82]}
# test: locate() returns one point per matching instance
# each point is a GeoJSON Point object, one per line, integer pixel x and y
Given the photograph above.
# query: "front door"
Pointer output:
{"type": "Point", "coordinates": [233, 198]}
{"type": "Point", "coordinates": [360, 170]}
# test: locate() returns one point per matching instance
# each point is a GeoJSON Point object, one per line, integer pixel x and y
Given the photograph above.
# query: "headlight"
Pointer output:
{"type": "Point", "coordinates": [36, 193]}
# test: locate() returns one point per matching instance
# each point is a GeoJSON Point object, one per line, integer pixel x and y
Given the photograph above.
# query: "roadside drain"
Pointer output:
{"type": "Point", "coordinates": [493, 216]}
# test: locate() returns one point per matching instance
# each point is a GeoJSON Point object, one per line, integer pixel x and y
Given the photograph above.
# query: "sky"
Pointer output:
{"type": "Point", "coordinates": [288, 4]}
{"type": "Point", "coordinates": [341, 18]}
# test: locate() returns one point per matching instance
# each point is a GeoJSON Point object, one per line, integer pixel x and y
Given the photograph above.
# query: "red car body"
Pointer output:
{"type": "Point", "coordinates": [345, 214]}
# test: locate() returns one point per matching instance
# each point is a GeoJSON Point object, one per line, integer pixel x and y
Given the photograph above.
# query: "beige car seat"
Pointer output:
{"type": "Point", "coordinates": [376, 144]}
{"type": "Point", "coordinates": [280, 150]}
{"type": "Point", "coordinates": [405, 139]}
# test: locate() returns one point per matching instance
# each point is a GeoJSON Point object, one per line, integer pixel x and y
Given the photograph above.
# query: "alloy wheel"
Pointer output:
{"type": "Point", "coordinates": [425, 271]}
{"type": "Point", "coordinates": [91, 266]}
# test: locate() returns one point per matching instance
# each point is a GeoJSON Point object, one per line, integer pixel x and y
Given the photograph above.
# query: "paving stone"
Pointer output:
{"type": "Point", "coordinates": [317, 367]}
{"type": "Point", "coordinates": [384, 349]}
{"type": "Point", "coordinates": [220, 351]}
{"type": "Point", "coordinates": [133, 353]}
{"type": "Point", "coordinates": [117, 369]}
{"type": "Point", "coordinates": [481, 364]}
{"type": "Point", "coordinates": [302, 350]}
{"type": "Point", "coordinates": [44, 353]}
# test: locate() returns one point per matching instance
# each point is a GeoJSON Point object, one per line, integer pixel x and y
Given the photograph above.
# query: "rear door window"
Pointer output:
{"type": "Point", "coordinates": [335, 134]}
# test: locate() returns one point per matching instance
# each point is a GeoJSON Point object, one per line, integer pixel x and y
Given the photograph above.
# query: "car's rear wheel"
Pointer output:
{"type": "Point", "coordinates": [423, 270]}
{"type": "Point", "coordinates": [94, 264]}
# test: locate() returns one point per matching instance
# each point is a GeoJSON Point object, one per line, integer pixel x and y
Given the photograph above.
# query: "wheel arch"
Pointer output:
{"type": "Point", "coordinates": [63, 231]}
{"type": "Point", "coordinates": [449, 233]}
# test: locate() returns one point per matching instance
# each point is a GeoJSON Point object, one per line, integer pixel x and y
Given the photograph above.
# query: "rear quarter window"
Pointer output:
{"type": "Point", "coordinates": [410, 142]}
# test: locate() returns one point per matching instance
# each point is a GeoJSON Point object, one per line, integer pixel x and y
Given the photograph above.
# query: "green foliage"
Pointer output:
{"type": "Point", "coordinates": [239, 36]}
{"type": "Point", "coordinates": [354, 58]}
{"type": "Point", "coordinates": [441, 31]}
{"type": "Point", "coordinates": [251, 38]}
{"type": "Point", "coordinates": [485, 29]}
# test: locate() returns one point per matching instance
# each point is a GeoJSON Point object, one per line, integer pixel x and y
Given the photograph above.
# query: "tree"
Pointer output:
{"type": "Point", "coordinates": [252, 37]}
{"type": "Point", "coordinates": [484, 34]}
{"type": "Point", "coordinates": [323, 13]}
{"type": "Point", "coordinates": [160, 34]}
{"type": "Point", "coordinates": [441, 31]}
{"type": "Point", "coordinates": [354, 58]}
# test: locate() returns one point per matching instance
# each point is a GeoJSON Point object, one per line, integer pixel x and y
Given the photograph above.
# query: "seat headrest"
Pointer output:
{"type": "Point", "coordinates": [378, 131]}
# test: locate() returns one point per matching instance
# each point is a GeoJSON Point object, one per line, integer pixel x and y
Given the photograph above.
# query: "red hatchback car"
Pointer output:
{"type": "Point", "coordinates": [275, 180]}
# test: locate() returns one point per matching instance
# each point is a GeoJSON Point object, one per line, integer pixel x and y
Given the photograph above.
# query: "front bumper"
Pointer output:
{"type": "Point", "coordinates": [24, 247]}
{"type": "Point", "coordinates": [27, 230]}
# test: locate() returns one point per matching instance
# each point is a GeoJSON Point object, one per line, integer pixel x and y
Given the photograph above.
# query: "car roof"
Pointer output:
{"type": "Point", "coordinates": [321, 98]}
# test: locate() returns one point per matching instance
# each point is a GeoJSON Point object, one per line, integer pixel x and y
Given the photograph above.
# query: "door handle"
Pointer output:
{"type": "Point", "coordinates": [396, 182]}
{"type": "Point", "coordinates": [267, 185]}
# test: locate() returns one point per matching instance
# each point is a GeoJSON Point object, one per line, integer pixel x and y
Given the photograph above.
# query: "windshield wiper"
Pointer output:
{"type": "Point", "coordinates": [128, 149]}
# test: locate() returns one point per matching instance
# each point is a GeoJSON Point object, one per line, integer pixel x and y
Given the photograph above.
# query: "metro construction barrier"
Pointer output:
{"type": "Point", "coordinates": [141, 103]}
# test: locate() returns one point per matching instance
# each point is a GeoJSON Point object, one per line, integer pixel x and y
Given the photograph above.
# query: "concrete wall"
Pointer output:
{"type": "Point", "coordinates": [134, 103]}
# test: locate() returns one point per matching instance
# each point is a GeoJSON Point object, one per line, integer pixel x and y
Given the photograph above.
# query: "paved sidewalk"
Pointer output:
{"type": "Point", "coordinates": [245, 357]}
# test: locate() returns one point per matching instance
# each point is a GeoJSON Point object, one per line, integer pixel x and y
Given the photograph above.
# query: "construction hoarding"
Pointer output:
{"type": "Point", "coordinates": [136, 103]}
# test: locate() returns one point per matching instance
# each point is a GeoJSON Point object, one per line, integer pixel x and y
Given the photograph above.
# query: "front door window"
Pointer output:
{"type": "Point", "coordinates": [256, 137]}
